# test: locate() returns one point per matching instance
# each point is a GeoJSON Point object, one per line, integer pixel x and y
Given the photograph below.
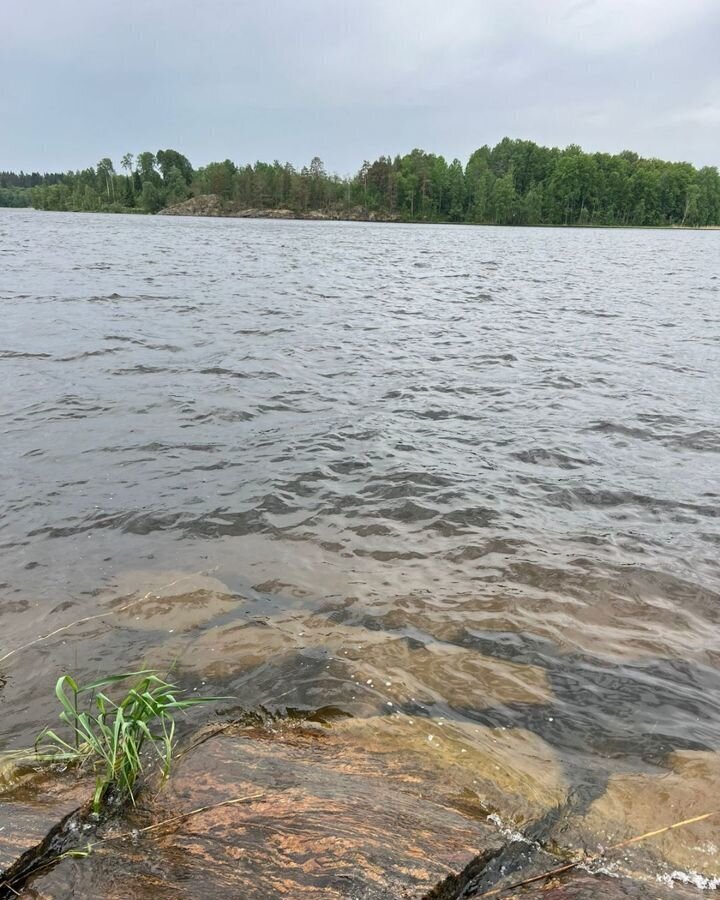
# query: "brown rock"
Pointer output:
{"type": "Point", "coordinates": [327, 824]}
{"type": "Point", "coordinates": [32, 802]}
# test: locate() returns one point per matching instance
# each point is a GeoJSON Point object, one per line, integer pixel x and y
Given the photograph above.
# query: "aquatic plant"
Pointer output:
{"type": "Point", "coordinates": [112, 736]}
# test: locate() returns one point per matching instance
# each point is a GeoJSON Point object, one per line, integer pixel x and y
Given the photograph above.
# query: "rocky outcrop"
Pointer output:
{"type": "Point", "coordinates": [213, 205]}
{"type": "Point", "coordinates": [204, 205]}
{"type": "Point", "coordinates": [318, 818]}
{"type": "Point", "coordinates": [296, 807]}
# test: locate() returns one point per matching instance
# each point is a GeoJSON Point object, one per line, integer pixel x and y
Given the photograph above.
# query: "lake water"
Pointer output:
{"type": "Point", "coordinates": [460, 480]}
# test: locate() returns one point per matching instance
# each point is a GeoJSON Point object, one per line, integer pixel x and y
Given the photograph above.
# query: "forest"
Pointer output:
{"type": "Point", "coordinates": [516, 182]}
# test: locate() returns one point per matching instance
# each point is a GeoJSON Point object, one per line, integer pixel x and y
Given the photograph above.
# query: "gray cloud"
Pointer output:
{"type": "Point", "coordinates": [350, 80]}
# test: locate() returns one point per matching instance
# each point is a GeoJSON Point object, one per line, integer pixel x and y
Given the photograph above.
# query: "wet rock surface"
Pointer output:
{"type": "Point", "coordinates": [31, 804]}
{"type": "Point", "coordinates": [580, 886]}
{"type": "Point", "coordinates": [322, 820]}
{"type": "Point", "coordinates": [531, 872]}
{"type": "Point", "coordinates": [384, 803]}
{"type": "Point", "coordinates": [322, 812]}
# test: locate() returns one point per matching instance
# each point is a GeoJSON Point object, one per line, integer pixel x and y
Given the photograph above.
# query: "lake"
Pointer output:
{"type": "Point", "coordinates": [459, 482]}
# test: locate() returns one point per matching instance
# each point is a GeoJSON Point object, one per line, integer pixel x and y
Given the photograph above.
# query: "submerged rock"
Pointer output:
{"type": "Point", "coordinates": [637, 803]}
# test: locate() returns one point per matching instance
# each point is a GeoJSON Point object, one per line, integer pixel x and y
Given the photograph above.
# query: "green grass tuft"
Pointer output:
{"type": "Point", "coordinates": [115, 737]}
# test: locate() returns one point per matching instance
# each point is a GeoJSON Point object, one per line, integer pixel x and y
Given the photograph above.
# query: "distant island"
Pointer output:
{"type": "Point", "coordinates": [514, 183]}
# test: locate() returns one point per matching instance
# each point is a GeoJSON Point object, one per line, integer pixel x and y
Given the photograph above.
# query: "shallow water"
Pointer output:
{"type": "Point", "coordinates": [451, 479]}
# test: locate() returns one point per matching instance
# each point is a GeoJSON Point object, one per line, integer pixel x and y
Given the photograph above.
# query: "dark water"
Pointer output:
{"type": "Point", "coordinates": [466, 475]}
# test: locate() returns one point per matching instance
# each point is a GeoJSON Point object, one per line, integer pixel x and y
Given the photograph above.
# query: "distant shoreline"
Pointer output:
{"type": "Point", "coordinates": [367, 218]}
{"type": "Point", "coordinates": [516, 182]}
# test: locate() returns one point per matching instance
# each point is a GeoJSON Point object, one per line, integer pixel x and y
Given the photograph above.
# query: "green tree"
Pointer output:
{"type": "Point", "coordinates": [151, 198]}
{"type": "Point", "coordinates": [127, 163]}
{"type": "Point", "coordinates": [146, 168]}
{"type": "Point", "coordinates": [533, 206]}
{"type": "Point", "coordinates": [106, 172]}
{"type": "Point", "coordinates": [456, 191]}
{"type": "Point", "coordinates": [170, 160]}
{"type": "Point", "coordinates": [217, 178]}
{"type": "Point", "coordinates": [175, 187]}
{"type": "Point", "coordinates": [505, 200]}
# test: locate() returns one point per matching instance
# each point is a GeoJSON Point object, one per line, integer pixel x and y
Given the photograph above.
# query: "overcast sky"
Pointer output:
{"type": "Point", "coordinates": [347, 80]}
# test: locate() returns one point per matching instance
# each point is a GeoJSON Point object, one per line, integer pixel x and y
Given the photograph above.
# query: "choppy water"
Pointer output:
{"type": "Point", "coordinates": [470, 475]}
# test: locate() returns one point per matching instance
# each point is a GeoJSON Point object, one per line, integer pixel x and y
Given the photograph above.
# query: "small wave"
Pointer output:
{"type": "Point", "coordinates": [23, 354]}
{"type": "Point", "coordinates": [88, 354]}
{"type": "Point", "coordinates": [221, 370]}
{"type": "Point", "coordinates": [507, 831]}
{"type": "Point", "coordinates": [543, 456]}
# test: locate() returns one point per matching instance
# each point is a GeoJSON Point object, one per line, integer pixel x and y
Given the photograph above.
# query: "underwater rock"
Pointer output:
{"type": "Point", "coordinates": [636, 803]}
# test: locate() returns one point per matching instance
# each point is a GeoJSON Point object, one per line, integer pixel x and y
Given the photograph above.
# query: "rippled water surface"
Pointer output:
{"type": "Point", "coordinates": [462, 479]}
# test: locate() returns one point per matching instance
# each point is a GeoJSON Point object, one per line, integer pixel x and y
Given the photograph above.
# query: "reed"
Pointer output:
{"type": "Point", "coordinates": [115, 737]}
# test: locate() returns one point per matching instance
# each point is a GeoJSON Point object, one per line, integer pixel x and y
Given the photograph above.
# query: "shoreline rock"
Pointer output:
{"type": "Point", "coordinates": [212, 205]}
{"type": "Point", "coordinates": [282, 807]}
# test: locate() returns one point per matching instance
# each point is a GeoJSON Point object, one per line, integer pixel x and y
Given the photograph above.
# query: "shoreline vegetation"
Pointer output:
{"type": "Point", "coordinates": [514, 183]}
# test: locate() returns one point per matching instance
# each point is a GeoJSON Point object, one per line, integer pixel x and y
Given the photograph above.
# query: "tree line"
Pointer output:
{"type": "Point", "coordinates": [515, 182]}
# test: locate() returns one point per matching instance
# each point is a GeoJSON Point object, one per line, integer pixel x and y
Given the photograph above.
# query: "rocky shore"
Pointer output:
{"type": "Point", "coordinates": [214, 205]}
{"type": "Point", "coordinates": [318, 804]}
{"type": "Point", "coordinates": [283, 808]}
